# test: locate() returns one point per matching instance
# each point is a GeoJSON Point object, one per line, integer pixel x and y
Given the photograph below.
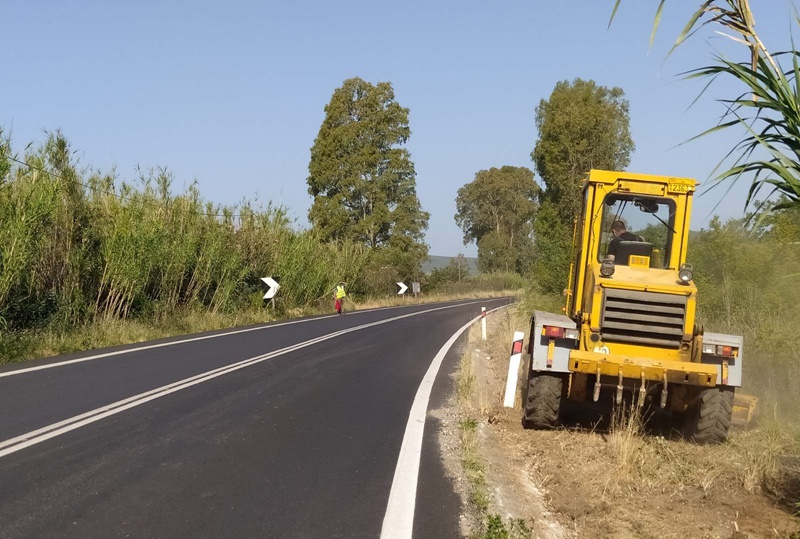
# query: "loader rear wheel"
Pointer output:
{"type": "Point", "coordinates": [709, 420]}
{"type": "Point", "coordinates": [542, 401]}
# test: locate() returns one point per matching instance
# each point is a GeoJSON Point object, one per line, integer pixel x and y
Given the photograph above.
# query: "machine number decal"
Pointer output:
{"type": "Point", "coordinates": [679, 188]}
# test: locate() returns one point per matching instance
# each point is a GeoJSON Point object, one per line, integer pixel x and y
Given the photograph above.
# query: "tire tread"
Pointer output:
{"type": "Point", "coordinates": [711, 419]}
{"type": "Point", "coordinates": [542, 401]}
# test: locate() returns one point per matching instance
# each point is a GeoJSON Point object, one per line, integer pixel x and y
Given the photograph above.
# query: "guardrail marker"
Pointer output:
{"type": "Point", "coordinates": [513, 369]}
{"type": "Point", "coordinates": [483, 322]}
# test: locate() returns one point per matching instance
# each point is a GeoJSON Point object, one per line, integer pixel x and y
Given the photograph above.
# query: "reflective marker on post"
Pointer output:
{"type": "Point", "coordinates": [513, 369]}
{"type": "Point", "coordinates": [483, 322]}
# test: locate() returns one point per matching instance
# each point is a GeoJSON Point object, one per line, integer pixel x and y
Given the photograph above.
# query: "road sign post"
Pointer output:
{"type": "Point", "coordinates": [415, 288]}
{"type": "Point", "coordinates": [483, 323]}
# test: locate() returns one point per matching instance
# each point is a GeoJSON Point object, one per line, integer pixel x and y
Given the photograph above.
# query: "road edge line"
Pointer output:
{"type": "Point", "coordinates": [398, 521]}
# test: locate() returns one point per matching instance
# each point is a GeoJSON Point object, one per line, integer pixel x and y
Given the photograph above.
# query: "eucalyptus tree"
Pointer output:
{"type": "Point", "coordinates": [496, 211]}
{"type": "Point", "coordinates": [362, 178]}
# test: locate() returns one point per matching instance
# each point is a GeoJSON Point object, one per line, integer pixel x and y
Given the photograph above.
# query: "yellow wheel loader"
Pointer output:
{"type": "Point", "coordinates": [629, 325]}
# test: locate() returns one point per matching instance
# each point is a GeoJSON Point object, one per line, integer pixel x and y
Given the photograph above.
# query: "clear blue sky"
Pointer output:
{"type": "Point", "coordinates": [232, 93]}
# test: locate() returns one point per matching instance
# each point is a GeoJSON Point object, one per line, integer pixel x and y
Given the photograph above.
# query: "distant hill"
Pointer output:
{"type": "Point", "coordinates": [435, 262]}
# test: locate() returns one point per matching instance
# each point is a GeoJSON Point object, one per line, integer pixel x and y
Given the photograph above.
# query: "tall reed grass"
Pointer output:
{"type": "Point", "coordinates": [79, 246]}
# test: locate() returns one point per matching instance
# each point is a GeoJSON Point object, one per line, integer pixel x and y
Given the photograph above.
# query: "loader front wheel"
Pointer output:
{"type": "Point", "coordinates": [542, 401]}
{"type": "Point", "coordinates": [709, 420]}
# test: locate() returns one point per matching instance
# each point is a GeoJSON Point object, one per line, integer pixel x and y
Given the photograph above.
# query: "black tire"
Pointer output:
{"type": "Point", "coordinates": [709, 420]}
{"type": "Point", "coordinates": [542, 401]}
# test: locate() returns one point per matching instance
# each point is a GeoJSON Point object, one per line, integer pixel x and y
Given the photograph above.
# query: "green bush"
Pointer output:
{"type": "Point", "coordinates": [749, 284]}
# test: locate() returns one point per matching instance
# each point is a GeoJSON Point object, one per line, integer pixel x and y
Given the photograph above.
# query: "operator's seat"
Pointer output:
{"type": "Point", "coordinates": [626, 249]}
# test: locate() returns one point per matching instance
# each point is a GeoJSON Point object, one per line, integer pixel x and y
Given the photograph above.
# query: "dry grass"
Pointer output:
{"type": "Point", "coordinates": [113, 332]}
{"type": "Point", "coordinates": [763, 460]}
{"type": "Point", "coordinates": [621, 482]}
{"type": "Point", "coordinates": [465, 382]}
{"type": "Point", "coordinates": [474, 401]}
{"type": "Point", "coordinates": [627, 445]}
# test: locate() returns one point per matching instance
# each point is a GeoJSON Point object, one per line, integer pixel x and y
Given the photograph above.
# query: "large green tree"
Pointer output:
{"type": "Point", "coordinates": [496, 211]}
{"type": "Point", "coordinates": [363, 180]}
{"type": "Point", "coordinates": [581, 126]}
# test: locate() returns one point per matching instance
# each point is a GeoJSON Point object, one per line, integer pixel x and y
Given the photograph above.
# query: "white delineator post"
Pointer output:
{"type": "Point", "coordinates": [483, 323]}
{"type": "Point", "coordinates": [513, 369]}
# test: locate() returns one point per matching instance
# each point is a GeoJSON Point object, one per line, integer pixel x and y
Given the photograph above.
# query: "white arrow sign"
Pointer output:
{"type": "Point", "coordinates": [273, 287]}
{"type": "Point", "coordinates": [403, 289]}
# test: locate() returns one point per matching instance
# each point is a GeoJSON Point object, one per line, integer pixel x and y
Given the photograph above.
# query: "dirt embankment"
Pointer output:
{"type": "Point", "coordinates": [617, 482]}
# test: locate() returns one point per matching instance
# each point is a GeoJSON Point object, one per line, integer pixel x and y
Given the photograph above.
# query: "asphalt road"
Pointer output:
{"type": "Point", "coordinates": [283, 430]}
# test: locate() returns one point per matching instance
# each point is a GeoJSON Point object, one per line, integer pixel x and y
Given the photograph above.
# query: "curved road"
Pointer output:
{"type": "Point", "coordinates": [283, 430]}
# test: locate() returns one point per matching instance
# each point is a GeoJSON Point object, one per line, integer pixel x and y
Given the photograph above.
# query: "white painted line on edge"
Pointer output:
{"type": "Point", "coordinates": [183, 341]}
{"type": "Point", "coordinates": [398, 522]}
{"type": "Point", "coordinates": [28, 439]}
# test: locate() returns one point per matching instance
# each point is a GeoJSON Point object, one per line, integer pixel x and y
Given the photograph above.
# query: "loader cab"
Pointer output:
{"type": "Point", "coordinates": [636, 229]}
{"type": "Point", "coordinates": [647, 256]}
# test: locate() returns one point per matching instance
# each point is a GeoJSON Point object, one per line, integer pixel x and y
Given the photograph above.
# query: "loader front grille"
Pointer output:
{"type": "Point", "coordinates": [646, 318]}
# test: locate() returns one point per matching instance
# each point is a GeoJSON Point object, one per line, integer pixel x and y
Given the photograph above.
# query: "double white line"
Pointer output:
{"type": "Point", "coordinates": [56, 429]}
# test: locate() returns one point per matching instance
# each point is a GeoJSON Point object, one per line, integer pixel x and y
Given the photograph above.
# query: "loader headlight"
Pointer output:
{"type": "Point", "coordinates": [685, 273]}
{"type": "Point", "coordinates": [607, 268]}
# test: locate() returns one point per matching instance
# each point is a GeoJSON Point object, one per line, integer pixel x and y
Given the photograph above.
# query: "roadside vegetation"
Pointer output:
{"type": "Point", "coordinates": [88, 259]}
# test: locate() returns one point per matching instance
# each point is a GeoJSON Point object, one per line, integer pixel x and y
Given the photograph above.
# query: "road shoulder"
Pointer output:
{"type": "Point", "coordinates": [623, 482]}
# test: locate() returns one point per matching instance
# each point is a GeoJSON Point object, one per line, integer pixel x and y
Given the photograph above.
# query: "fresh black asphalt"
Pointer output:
{"type": "Point", "coordinates": [301, 445]}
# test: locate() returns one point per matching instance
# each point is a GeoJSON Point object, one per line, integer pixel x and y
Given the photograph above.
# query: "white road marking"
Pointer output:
{"type": "Point", "coordinates": [398, 522]}
{"type": "Point", "coordinates": [17, 443]}
{"type": "Point", "coordinates": [17, 372]}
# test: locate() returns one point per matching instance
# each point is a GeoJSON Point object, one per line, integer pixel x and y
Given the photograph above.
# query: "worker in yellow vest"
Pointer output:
{"type": "Point", "coordinates": [339, 293]}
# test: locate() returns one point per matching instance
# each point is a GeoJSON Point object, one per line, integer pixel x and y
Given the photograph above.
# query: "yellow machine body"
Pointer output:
{"type": "Point", "coordinates": [588, 288]}
{"type": "Point", "coordinates": [630, 320]}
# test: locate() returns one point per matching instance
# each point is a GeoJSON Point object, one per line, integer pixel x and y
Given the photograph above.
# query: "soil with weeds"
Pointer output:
{"type": "Point", "coordinates": [620, 481]}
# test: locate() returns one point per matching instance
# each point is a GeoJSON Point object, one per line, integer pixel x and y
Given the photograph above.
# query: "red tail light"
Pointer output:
{"type": "Point", "coordinates": [725, 351]}
{"type": "Point", "coordinates": [553, 332]}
